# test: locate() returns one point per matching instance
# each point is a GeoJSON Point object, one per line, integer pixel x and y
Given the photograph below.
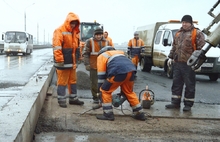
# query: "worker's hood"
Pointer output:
{"type": "Point", "coordinates": [70, 17]}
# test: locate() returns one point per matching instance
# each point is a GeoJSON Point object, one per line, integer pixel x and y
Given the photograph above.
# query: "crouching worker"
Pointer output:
{"type": "Point", "coordinates": [115, 70]}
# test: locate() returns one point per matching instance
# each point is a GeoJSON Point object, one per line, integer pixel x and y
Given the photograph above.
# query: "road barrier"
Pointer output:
{"type": "Point", "coordinates": [35, 47]}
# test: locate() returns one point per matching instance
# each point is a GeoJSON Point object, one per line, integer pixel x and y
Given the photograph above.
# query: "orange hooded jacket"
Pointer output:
{"type": "Point", "coordinates": [65, 43]}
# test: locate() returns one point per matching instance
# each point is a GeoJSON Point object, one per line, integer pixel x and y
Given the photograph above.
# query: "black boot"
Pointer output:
{"type": "Point", "coordinates": [139, 116]}
{"type": "Point", "coordinates": [62, 103]}
{"type": "Point", "coordinates": [187, 108]}
{"type": "Point", "coordinates": [75, 102]}
{"type": "Point", "coordinates": [106, 116]}
{"type": "Point", "coordinates": [96, 100]}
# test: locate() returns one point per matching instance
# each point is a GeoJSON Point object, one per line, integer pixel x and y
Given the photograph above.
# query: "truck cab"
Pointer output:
{"type": "Point", "coordinates": [163, 43]}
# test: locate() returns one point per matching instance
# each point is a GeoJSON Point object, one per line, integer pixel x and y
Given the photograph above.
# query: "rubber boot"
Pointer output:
{"type": "Point", "coordinates": [187, 108]}
{"type": "Point", "coordinates": [139, 116]}
{"type": "Point", "coordinates": [106, 116]}
{"type": "Point", "coordinates": [62, 103]}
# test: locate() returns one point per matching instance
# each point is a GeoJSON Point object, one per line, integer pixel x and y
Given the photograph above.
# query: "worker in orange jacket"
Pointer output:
{"type": "Point", "coordinates": [134, 48]}
{"type": "Point", "coordinates": [116, 70]}
{"type": "Point", "coordinates": [108, 38]}
{"type": "Point", "coordinates": [93, 45]}
{"type": "Point", "coordinates": [65, 43]}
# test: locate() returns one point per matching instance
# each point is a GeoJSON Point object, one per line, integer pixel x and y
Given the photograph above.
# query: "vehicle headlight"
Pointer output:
{"type": "Point", "coordinates": [218, 59]}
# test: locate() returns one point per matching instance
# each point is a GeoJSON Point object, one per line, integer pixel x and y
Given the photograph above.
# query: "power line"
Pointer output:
{"type": "Point", "coordinates": [11, 7]}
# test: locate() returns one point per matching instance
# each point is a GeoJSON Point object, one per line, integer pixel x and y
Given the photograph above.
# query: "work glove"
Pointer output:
{"type": "Point", "coordinates": [60, 64]}
{"type": "Point", "coordinates": [88, 67]}
{"type": "Point", "coordinates": [169, 62]}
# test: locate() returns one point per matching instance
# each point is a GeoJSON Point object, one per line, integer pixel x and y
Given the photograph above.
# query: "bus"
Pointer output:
{"type": "Point", "coordinates": [17, 42]}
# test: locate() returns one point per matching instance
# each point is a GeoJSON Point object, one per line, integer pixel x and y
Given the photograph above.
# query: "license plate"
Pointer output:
{"type": "Point", "coordinates": [207, 65]}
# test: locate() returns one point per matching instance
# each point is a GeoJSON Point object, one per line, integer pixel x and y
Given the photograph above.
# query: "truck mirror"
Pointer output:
{"type": "Point", "coordinates": [2, 37]}
{"type": "Point", "coordinates": [165, 42]}
{"type": "Point", "coordinates": [27, 39]}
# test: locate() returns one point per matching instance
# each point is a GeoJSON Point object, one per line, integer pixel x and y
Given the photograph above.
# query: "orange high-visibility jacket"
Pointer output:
{"type": "Point", "coordinates": [91, 52]}
{"type": "Point", "coordinates": [110, 41]}
{"type": "Point", "coordinates": [135, 46]}
{"type": "Point", "coordinates": [65, 43]}
{"type": "Point", "coordinates": [112, 63]}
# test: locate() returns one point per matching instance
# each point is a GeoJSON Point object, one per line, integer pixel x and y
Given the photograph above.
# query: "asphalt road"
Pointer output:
{"type": "Point", "coordinates": [16, 71]}
{"type": "Point", "coordinates": [206, 91]}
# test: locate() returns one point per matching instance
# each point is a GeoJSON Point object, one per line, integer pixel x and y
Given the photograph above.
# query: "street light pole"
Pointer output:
{"type": "Point", "coordinates": [25, 16]}
{"type": "Point", "coordinates": [37, 33]}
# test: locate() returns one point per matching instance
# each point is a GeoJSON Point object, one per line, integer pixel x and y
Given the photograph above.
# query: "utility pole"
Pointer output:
{"type": "Point", "coordinates": [25, 16]}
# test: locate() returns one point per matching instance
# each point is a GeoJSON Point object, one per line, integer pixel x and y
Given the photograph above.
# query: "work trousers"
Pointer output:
{"type": "Point", "coordinates": [126, 83]}
{"type": "Point", "coordinates": [94, 83]}
{"type": "Point", "coordinates": [66, 78]}
{"type": "Point", "coordinates": [183, 74]}
{"type": "Point", "coordinates": [135, 60]}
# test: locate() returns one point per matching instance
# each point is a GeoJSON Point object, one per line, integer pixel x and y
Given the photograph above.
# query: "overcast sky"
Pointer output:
{"type": "Point", "coordinates": [119, 17]}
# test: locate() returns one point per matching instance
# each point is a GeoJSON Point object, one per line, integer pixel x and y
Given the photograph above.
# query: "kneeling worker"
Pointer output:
{"type": "Point", "coordinates": [112, 73]}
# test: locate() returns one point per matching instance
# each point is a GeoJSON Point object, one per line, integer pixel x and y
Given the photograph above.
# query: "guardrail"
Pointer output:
{"type": "Point", "coordinates": [35, 47]}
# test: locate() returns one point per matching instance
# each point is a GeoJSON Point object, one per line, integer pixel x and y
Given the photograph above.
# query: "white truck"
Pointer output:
{"type": "Point", "coordinates": [158, 39]}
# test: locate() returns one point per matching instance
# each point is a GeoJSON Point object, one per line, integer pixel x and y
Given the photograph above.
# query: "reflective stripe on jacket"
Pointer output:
{"type": "Point", "coordinates": [90, 54]}
{"type": "Point", "coordinates": [135, 46]}
{"type": "Point", "coordinates": [112, 63]}
{"type": "Point", "coordinates": [65, 43]}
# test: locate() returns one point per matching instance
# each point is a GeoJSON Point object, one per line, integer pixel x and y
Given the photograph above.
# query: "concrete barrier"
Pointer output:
{"type": "Point", "coordinates": [20, 116]}
{"type": "Point", "coordinates": [35, 46]}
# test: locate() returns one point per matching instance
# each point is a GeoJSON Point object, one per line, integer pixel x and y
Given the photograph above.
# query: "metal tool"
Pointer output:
{"type": "Point", "coordinates": [213, 40]}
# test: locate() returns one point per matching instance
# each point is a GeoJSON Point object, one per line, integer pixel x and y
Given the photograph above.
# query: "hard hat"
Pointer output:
{"type": "Point", "coordinates": [106, 48]}
{"type": "Point", "coordinates": [136, 33]}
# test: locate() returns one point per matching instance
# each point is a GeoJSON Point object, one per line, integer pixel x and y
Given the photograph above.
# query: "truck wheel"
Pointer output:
{"type": "Point", "coordinates": [28, 52]}
{"type": "Point", "coordinates": [213, 77]}
{"type": "Point", "coordinates": [169, 71]}
{"type": "Point", "coordinates": [145, 66]}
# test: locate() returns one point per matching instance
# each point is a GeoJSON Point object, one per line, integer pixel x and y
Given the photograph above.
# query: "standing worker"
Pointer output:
{"type": "Point", "coordinates": [65, 43]}
{"type": "Point", "coordinates": [93, 45]}
{"type": "Point", "coordinates": [183, 47]}
{"type": "Point", "coordinates": [134, 48]}
{"type": "Point", "coordinates": [108, 38]}
{"type": "Point", "coordinates": [112, 73]}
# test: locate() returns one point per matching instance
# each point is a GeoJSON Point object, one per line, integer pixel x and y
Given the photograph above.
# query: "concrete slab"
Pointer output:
{"type": "Point", "coordinates": [20, 113]}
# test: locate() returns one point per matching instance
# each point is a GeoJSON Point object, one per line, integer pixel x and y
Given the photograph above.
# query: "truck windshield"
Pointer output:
{"type": "Point", "coordinates": [15, 37]}
{"type": "Point", "coordinates": [87, 30]}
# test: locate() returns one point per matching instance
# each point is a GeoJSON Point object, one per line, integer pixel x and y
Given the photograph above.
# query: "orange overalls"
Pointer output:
{"type": "Point", "coordinates": [135, 48]}
{"type": "Point", "coordinates": [116, 70]}
{"type": "Point", "coordinates": [65, 43]}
